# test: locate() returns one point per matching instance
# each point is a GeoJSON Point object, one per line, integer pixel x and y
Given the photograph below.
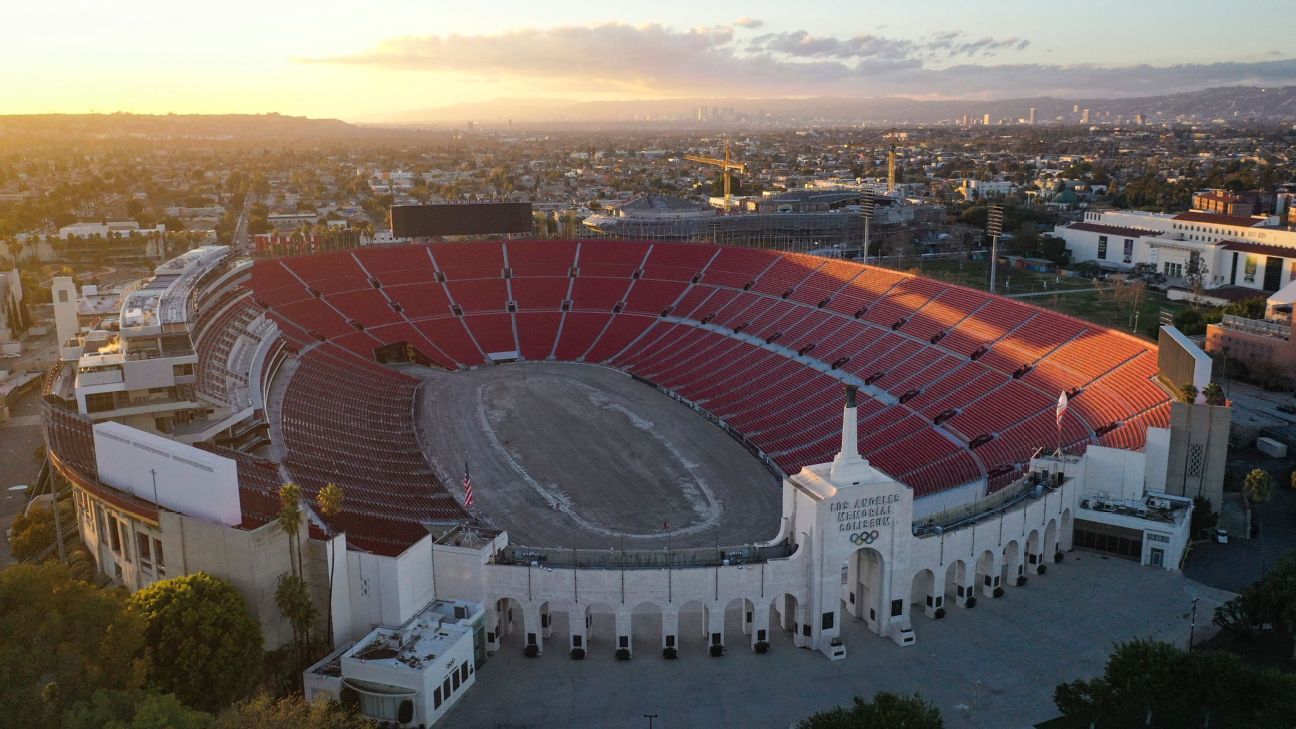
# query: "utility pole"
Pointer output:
{"type": "Point", "coordinates": [650, 718]}
{"type": "Point", "coordinates": [994, 226]}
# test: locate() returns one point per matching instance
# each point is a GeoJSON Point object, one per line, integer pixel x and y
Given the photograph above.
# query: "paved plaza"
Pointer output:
{"type": "Point", "coordinates": [995, 665]}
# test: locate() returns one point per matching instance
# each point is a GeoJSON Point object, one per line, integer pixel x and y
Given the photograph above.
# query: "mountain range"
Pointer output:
{"type": "Point", "coordinates": [1230, 103]}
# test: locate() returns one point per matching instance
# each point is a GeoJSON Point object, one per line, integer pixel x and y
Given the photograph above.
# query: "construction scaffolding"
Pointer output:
{"type": "Point", "coordinates": [798, 232]}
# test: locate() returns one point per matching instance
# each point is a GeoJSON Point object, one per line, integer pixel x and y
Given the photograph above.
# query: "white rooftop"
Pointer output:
{"type": "Point", "coordinates": [417, 643]}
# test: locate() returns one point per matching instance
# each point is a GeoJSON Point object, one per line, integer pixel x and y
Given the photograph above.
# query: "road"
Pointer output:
{"type": "Point", "coordinates": [241, 241]}
{"type": "Point", "coordinates": [21, 434]}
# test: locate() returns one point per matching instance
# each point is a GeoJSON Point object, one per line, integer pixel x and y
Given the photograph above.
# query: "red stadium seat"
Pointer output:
{"type": "Point", "coordinates": [762, 340]}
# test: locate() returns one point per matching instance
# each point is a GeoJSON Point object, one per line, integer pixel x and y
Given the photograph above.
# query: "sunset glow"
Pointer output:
{"type": "Point", "coordinates": [394, 55]}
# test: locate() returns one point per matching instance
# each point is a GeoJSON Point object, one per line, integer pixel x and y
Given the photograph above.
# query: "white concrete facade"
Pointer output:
{"type": "Point", "coordinates": [852, 546]}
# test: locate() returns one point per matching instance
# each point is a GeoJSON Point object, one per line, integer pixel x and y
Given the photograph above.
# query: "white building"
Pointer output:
{"type": "Point", "coordinates": [410, 675]}
{"type": "Point", "coordinates": [143, 373]}
{"type": "Point", "coordinates": [978, 189]}
{"type": "Point", "coordinates": [1251, 253]}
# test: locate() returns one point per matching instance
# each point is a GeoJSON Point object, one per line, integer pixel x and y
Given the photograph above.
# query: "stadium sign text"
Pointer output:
{"type": "Point", "coordinates": [864, 513]}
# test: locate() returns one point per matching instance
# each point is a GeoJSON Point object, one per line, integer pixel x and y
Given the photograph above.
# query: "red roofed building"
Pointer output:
{"type": "Point", "coordinates": [1250, 252]}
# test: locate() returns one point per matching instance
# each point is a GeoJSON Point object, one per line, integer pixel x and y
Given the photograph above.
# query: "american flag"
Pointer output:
{"type": "Point", "coordinates": [1061, 409]}
{"type": "Point", "coordinates": [468, 495]}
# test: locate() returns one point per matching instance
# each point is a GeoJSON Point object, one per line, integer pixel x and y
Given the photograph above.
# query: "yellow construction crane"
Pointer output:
{"type": "Point", "coordinates": [727, 164]}
{"type": "Point", "coordinates": [891, 159]}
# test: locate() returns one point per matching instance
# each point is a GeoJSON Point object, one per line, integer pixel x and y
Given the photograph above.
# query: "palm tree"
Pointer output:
{"type": "Point", "coordinates": [329, 500]}
{"type": "Point", "coordinates": [1258, 486]}
{"type": "Point", "coordinates": [1188, 394]}
{"type": "Point", "coordinates": [1214, 394]}
{"type": "Point", "coordinates": [290, 517]}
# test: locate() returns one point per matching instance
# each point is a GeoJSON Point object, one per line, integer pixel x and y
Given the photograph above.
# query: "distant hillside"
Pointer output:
{"type": "Point", "coordinates": [1237, 102]}
{"type": "Point", "coordinates": [191, 126]}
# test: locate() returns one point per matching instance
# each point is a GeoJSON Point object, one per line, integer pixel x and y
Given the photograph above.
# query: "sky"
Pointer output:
{"type": "Point", "coordinates": [364, 59]}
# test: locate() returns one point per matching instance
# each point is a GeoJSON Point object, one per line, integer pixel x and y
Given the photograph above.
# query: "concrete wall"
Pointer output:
{"type": "Point", "coordinates": [252, 560]}
{"type": "Point", "coordinates": [177, 476]}
{"type": "Point", "coordinates": [1117, 473]}
{"type": "Point", "coordinates": [834, 533]}
{"type": "Point", "coordinates": [1156, 458]}
{"type": "Point", "coordinates": [1198, 451]}
{"type": "Point", "coordinates": [387, 590]}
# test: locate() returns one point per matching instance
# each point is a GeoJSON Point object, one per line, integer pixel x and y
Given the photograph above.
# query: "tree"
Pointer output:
{"type": "Point", "coordinates": [293, 598]}
{"type": "Point", "coordinates": [1196, 274]}
{"type": "Point", "coordinates": [1214, 394]}
{"type": "Point", "coordinates": [1190, 322]}
{"type": "Point", "coordinates": [1155, 684]}
{"type": "Point", "coordinates": [292, 712]}
{"type": "Point", "coordinates": [1188, 394]}
{"type": "Point", "coordinates": [205, 646]}
{"type": "Point", "coordinates": [63, 639]}
{"type": "Point", "coordinates": [330, 500]}
{"type": "Point", "coordinates": [32, 532]}
{"type": "Point", "coordinates": [1252, 308]}
{"type": "Point", "coordinates": [885, 711]}
{"type": "Point", "coordinates": [1258, 486]}
{"type": "Point", "coordinates": [134, 710]}
{"type": "Point", "coordinates": [290, 517]}
{"type": "Point", "coordinates": [1204, 518]}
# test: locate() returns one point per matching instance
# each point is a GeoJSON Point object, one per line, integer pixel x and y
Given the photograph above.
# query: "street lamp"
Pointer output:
{"type": "Point", "coordinates": [650, 718]}
{"type": "Point", "coordinates": [1192, 625]}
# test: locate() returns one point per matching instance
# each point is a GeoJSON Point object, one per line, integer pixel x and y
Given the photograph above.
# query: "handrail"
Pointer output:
{"type": "Point", "coordinates": [643, 559]}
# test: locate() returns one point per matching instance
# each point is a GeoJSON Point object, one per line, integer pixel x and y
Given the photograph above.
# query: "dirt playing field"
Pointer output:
{"type": "Point", "coordinates": [566, 455]}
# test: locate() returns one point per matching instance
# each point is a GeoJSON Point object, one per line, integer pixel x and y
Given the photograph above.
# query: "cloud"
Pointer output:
{"type": "Point", "coordinates": [659, 60]}
{"type": "Point", "coordinates": [937, 48]}
{"type": "Point", "coordinates": [749, 23]}
{"type": "Point", "coordinates": [800, 44]}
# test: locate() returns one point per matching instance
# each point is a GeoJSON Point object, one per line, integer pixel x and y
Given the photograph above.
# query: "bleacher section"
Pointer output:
{"type": "Point", "coordinates": [350, 421]}
{"type": "Point", "coordinates": [228, 337]}
{"type": "Point", "coordinates": [956, 385]}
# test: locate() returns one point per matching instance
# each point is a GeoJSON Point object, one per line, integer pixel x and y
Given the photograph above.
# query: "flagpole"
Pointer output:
{"type": "Point", "coordinates": [1063, 401]}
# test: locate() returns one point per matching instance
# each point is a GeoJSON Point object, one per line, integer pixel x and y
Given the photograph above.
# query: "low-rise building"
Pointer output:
{"type": "Point", "coordinates": [409, 675]}
{"type": "Point", "coordinates": [1270, 341]}
{"type": "Point", "coordinates": [1221, 250]}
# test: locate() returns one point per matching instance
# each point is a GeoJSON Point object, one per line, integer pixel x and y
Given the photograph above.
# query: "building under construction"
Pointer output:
{"type": "Point", "coordinates": [798, 220]}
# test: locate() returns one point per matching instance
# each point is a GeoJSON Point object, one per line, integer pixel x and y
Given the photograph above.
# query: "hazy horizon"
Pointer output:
{"type": "Point", "coordinates": [146, 56]}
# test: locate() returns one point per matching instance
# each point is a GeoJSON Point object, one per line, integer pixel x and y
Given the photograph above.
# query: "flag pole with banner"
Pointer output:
{"type": "Point", "coordinates": [1061, 413]}
{"type": "Point", "coordinates": [468, 489]}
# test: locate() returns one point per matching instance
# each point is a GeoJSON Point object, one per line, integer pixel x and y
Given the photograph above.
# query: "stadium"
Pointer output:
{"type": "Point", "coordinates": [646, 429]}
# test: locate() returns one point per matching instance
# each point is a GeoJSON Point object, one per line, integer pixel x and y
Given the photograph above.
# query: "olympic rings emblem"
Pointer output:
{"type": "Point", "coordinates": [864, 538]}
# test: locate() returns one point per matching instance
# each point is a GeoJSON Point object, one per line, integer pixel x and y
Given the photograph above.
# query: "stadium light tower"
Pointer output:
{"type": "Point", "coordinates": [866, 211]}
{"type": "Point", "coordinates": [994, 226]}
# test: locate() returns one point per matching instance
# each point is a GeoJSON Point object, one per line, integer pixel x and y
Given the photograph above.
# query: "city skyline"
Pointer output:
{"type": "Point", "coordinates": [150, 57]}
